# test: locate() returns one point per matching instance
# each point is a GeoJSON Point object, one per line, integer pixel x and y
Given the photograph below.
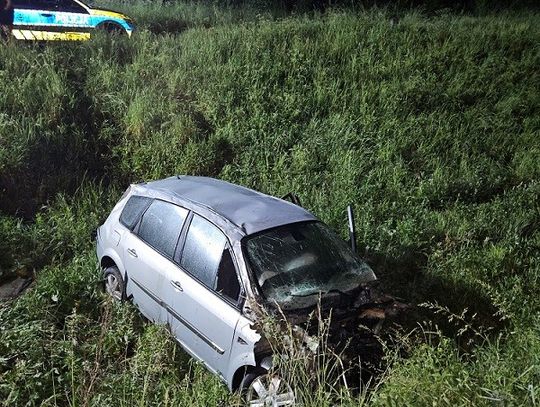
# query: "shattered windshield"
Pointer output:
{"type": "Point", "coordinates": [294, 263]}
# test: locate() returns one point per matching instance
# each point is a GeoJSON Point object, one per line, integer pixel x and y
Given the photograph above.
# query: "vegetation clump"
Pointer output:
{"type": "Point", "coordinates": [427, 122]}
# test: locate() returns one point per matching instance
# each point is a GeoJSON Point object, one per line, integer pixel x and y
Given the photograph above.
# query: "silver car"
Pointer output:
{"type": "Point", "coordinates": [196, 254]}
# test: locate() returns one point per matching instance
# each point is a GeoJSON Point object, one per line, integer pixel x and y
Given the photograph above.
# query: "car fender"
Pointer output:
{"type": "Point", "coordinates": [242, 350]}
{"type": "Point", "coordinates": [118, 23]}
{"type": "Point", "coordinates": [241, 360]}
{"type": "Point", "coordinates": [99, 17]}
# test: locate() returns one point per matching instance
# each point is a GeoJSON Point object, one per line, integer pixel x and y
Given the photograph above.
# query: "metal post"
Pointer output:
{"type": "Point", "coordinates": [352, 233]}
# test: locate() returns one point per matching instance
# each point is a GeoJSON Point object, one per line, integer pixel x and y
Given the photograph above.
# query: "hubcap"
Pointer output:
{"type": "Point", "coordinates": [112, 285]}
{"type": "Point", "coordinates": [270, 391]}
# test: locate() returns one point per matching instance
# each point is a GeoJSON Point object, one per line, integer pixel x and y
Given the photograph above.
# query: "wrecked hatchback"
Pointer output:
{"type": "Point", "coordinates": [208, 259]}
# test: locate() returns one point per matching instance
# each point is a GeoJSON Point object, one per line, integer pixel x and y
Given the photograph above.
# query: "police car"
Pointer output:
{"type": "Point", "coordinates": [43, 20]}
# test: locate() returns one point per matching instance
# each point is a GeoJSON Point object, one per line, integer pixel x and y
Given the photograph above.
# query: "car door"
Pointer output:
{"type": "Point", "coordinates": [204, 295]}
{"type": "Point", "coordinates": [148, 254]}
{"type": "Point", "coordinates": [50, 20]}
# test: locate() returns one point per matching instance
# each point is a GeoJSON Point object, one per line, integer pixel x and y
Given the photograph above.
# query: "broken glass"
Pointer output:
{"type": "Point", "coordinates": [294, 264]}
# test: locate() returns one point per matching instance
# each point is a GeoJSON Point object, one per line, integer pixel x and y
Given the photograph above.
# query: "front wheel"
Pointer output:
{"type": "Point", "coordinates": [112, 28]}
{"type": "Point", "coordinates": [269, 390]}
{"type": "Point", "coordinates": [114, 283]}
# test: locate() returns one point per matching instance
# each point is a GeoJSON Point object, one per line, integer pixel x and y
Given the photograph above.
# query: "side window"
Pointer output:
{"type": "Point", "coordinates": [161, 225]}
{"type": "Point", "coordinates": [203, 250]}
{"type": "Point", "coordinates": [20, 3]}
{"type": "Point", "coordinates": [133, 210]}
{"type": "Point", "coordinates": [227, 281]}
{"type": "Point", "coordinates": [52, 5]}
{"type": "Point", "coordinates": [44, 4]}
{"type": "Point", "coordinates": [70, 6]}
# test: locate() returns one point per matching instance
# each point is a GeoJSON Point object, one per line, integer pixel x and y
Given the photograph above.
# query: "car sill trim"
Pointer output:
{"type": "Point", "coordinates": [195, 331]}
{"type": "Point", "coordinates": [149, 293]}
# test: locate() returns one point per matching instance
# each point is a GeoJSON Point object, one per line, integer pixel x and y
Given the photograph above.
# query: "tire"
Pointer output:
{"type": "Point", "coordinates": [262, 388]}
{"type": "Point", "coordinates": [112, 29]}
{"type": "Point", "coordinates": [5, 33]}
{"type": "Point", "coordinates": [113, 283]}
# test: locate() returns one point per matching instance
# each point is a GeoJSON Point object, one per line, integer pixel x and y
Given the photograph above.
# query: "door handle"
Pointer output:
{"type": "Point", "coordinates": [177, 285]}
{"type": "Point", "coordinates": [46, 15]}
{"type": "Point", "coordinates": [132, 252]}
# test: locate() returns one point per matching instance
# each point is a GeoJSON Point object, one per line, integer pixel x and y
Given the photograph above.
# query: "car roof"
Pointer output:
{"type": "Point", "coordinates": [250, 210]}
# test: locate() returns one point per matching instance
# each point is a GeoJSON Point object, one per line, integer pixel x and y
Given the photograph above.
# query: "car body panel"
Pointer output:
{"type": "Point", "coordinates": [76, 23]}
{"type": "Point", "coordinates": [243, 348]}
{"type": "Point", "coordinates": [109, 235]}
{"type": "Point", "coordinates": [104, 251]}
{"type": "Point", "coordinates": [201, 320]}
{"type": "Point", "coordinates": [145, 269]}
{"type": "Point", "coordinates": [248, 210]}
{"type": "Point", "coordinates": [211, 328]}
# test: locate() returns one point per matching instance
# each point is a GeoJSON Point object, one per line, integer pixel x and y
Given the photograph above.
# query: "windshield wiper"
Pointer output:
{"type": "Point", "coordinates": [333, 290]}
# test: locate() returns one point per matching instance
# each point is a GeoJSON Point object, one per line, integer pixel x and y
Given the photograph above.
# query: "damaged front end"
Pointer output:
{"type": "Point", "coordinates": [315, 297]}
{"type": "Point", "coordinates": [347, 332]}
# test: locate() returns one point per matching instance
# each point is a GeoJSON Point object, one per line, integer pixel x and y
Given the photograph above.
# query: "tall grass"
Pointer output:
{"type": "Point", "coordinates": [428, 125]}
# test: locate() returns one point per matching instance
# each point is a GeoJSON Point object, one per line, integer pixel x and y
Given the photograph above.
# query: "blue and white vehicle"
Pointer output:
{"type": "Point", "coordinates": [40, 20]}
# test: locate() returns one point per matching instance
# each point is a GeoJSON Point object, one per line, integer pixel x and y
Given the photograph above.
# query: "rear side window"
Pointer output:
{"type": "Point", "coordinates": [133, 210]}
{"type": "Point", "coordinates": [203, 250]}
{"type": "Point", "coordinates": [161, 225]}
{"type": "Point", "coordinates": [71, 6]}
{"type": "Point", "coordinates": [44, 4]}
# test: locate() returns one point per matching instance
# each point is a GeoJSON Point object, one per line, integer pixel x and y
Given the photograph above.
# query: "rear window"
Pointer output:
{"type": "Point", "coordinates": [135, 206]}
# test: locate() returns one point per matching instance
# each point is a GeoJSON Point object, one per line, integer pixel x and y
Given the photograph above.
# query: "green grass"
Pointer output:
{"type": "Point", "coordinates": [429, 125]}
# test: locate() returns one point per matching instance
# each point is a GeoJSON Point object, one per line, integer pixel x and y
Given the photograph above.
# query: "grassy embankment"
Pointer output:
{"type": "Point", "coordinates": [430, 126]}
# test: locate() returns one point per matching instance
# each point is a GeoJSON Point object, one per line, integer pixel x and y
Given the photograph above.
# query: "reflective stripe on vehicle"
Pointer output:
{"type": "Point", "coordinates": [36, 35]}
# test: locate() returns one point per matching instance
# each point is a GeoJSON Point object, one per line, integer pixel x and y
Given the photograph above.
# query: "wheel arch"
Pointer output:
{"type": "Point", "coordinates": [110, 259]}
{"type": "Point", "coordinates": [107, 24]}
{"type": "Point", "coordinates": [262, 363]}
{"type": "Point", "coordinates": [107, 262]}
{"type": "Point", "coordinates": [239, 376]}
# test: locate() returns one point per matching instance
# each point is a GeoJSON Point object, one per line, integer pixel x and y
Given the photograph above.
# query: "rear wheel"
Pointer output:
{"type": "Point", "coordinates": [5, 32]}
{"type": "Point", "coordinates": [114, 283]}
{"type": "Point", "coordinates": [268, 390]}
